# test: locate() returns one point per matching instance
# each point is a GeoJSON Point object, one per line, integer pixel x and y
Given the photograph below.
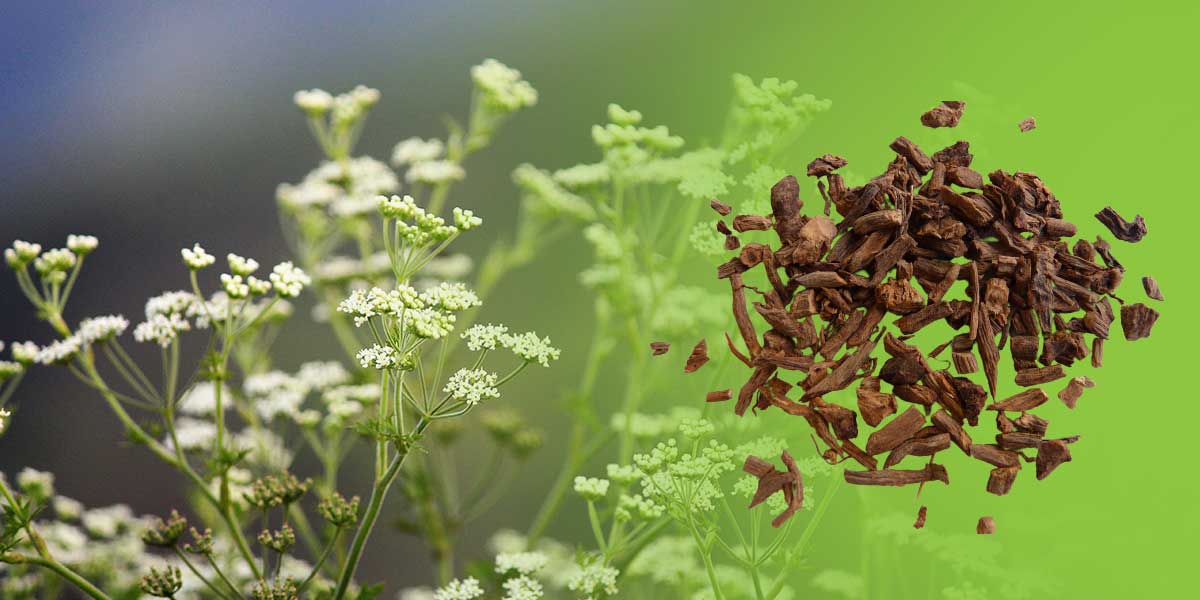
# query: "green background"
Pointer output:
{"type": "Point", "coordinates": [156, 127]}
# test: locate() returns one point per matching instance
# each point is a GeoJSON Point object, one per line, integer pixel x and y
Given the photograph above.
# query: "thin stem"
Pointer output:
{"type": "Point", "coordinates": [66, 573]}
{"type": "Point", "coordinates": [378, 494]}
{"type": "Point", "coordinates": [320, 561]}
{"type": "Point", "coordinates": [196, 571]}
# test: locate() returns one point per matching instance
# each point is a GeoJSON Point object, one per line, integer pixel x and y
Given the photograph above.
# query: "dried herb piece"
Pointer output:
{"type": "Point", "coordinates": [895, 432]}
{"type": "Point", "coordinates": [1001, 479]}
{"type": "Point", "coordinates": [1027, 124]}
{"type": "Point", "coordinates": [1151, 287]}
{"type": "Point", "coordinates": [718, 396]}
{"type": "Point", "coordinates": [1051, 454]}
{"type": "Point", "coordinates": [898, 477]}
{"type": "Point", "coordinates": [697, 358]}
{"type": "Point", "coordinates": [945, 114]}
{"type": "Point", "coordinates": [771, 481]}
{"type": "Point", "coordinates": [1070, 394]}
{"type": "Point", "coordinates": [1122, 229]}
{"type": "Point", "coordinates": [986, 526]}
{"type": "Point", "coordinates": [659, 348]}
{"type": "Point", "coordinates": [874, 406]}
{"type": "Point", "coordinates": [1039, 375]}
{"type": "Point", "coordinates": [824, 165]}
{"type": "Point", "coordinates": [744, 223]}
{"type": "Point", "coordinates": [921, 512]}
{"type": "Point", "coordinates": [721, 208]}
{"type": "Point", "coordinates": [1137, 320]}
{"type": "Point", "coordinates": [1023, 401]}
{"type": "Point", "coordinates": [921, 446]}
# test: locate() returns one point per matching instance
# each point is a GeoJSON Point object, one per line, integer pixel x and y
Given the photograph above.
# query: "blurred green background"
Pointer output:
{"type": "Point", "coordinates": [157, 125]}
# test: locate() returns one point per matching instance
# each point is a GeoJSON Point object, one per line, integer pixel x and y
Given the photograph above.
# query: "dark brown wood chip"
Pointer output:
{"type": "Point", "coordinates": [1151, 287]}
{"type": "Point", "coordinates": [697, 358]}
{"type": "Point", "coordinates": [1001, 480]}
{"type": "Point", "coordinates": [718, 396]}
{"type": "Point", "coordinates": [1023, 401]}
{"type": "Point", "coordinates": [721, 208]}
{"type": "Point", "coordinates": [1120, 228]}
{"type": "Point", "coordinates": [824, 165]}
{"type": "Point", "coordinates": [898, 477]}
{"type": "Point", "coordinates": [945, 114]}
{"type": "Point", "coordinates": [1051, 454]}
{"type": "Point", "coordinates": [921, 512]}
{"type": "Point", "coordinates": [1039, 375]}
{"type": "Point", "coordinates": [1137, 320]}
{"type": "Point", "coordinates": [897, 430]}
{"type": "Point", "coordinates": [744, 223]}
{"type": "Point", "coordinates": [659, 348]}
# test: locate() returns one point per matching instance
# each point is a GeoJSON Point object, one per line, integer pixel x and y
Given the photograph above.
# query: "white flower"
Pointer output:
{"type": "Point", "coordinates": [378, 357]}
{"type": "Point", "coordinates": [288, 279]}
{"type": "Point", "coordinates": [525, 563]}
{"type": "Point", "coordinates": [38, 484]}
{"type": "Point", "coordinates": [56, 260]}
{"type": "Point", "coordinates": [459, 589]}
{"type": "Point", "coordinates": [66, 509]}
{"type": "Point", "coordinates": [320, 375]}
{"type": "Point", "coordinates": [108, 521]}
{"type": "Point", "coordinates": [59, 352]}
{"type": "Point", "coordinates": [234, 286]}
{"type": "Point", "coordinates": [362, 394]}
{"type": "Point", "coordinates": [417, 593]}
{"type": "Point", "coordinates": [450, 296]}
{"type": "Point", "coordinates": [168, 303]}
{"type": "Point", "coordinates": [240, 265]}
{"type": "Point", "coordinates": [193, 434]}
{"type": "Point", "coordinates": [396, 207]}
{"type": "Point", "coordinates": [257, 286]}
{"type": "Point", "coordinates": [415, 150]}
{"type": "Point", "coordinates": [4, 414]}
{"type": "Point", "coordinates": [435, 172]}
{"type": "Point", "coordinates": [466, 220]}
{"type": "Point", "coordinates": [595, 579]}
{"type": "Point", "coordinates": [309, 193]}
{"type": "Point", "coordinates": [314, 101]}
{"type": "Point", "coordinates": [21, 253]}
{"type": "Point", "coordinates": [531, 348]}
{"type": "Point", "coordinates": [161, 329]}
{"type": "Point", "coordinates": [263, 384]}
{"type": "Point", "coordinates": [8, 370]}
{"type": "Point", "coordinates": [502, 87]}
{"type": "Point", "coordinates": [25, 352]}
{"type": "Point", "coordinates": [82, 245]}
{"type": "Point", "coordinates": [591, 488]}
{"type": "Point", "coordinates": [484, 337]}
{"type": "Point", "coordinates": [201, 399]}
{"type": "Point", "coordinates": [281, 402]}
{"type": "Point", "coordinates": [429, 323]}
{"type": "Point", "coordinates": [522, 588]}
{"type": "Point", "coordinates": [196, 258]}
{"type": "Point", "coordinates": [365, 96]}
{"type": "Point", "coordinates": [101, 329]}
{"type": "Point", "coordinates": [472, 385]}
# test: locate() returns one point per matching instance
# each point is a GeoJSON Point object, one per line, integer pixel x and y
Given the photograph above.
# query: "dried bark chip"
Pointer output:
{"type": "Point", "coordinates": [874, 406]}
{"type": "Point", "coordinates": [1137, 320]}
{"type": "Point", "coordinates": [697, 358]}
{"type": "Point", "coordinates": [1001, 479]}
{"type": "Point", "coordinates": [918, 446]}
{"type": "Point", "coordinates": [824, 165]}
{"type": "Point", "coordinates": [1018, 440]}
{"type": "Point", "coordinates": [718, 396]}
{"type": "Point", "coordinates": [921, 512]}
{"type": "Point", "coordinates": [986, 526]}
{"type": "Point", "coordinates": [1023, 401]}
{"type": "Point", "coordinates": [945, 114]}
{"type": "Point", "coordinates": [1122, 229]}
{"type": "Point", "coordinates": [995, 455]}
{"type": "Point", "coordinates": [1070, 394]}
{"type": "Point", "coordinates": [898, 477]}
{"type": "Point", "coordinates": [946, 422]}
{"type": "Point", "coordinates": [659, 348]}
{"type": "Point", "coordinates": [1151, 287]}
{"type": "Point", "coordinates": [1039, 375]}
{"type": "Point", "coordinates": [964, 362]}
{"type": "Point", "coordinates": [744, 223]}
{"type": "Point", "coordinates": [918, 159]}
{"type": "Point", "coordinates": [1027, 124]}
{"type": "Point", "coordinates": [721, 208]}
{"type": "Point", "coordinates": [895, 432]}
{"type": "Point", "coordinates": [1051, 454]}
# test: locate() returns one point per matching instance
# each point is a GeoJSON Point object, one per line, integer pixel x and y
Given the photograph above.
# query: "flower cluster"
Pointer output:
{"type": "Point", "coordinates": [502, 87]}
{"type": "Point", "coordinates": [472, 386]}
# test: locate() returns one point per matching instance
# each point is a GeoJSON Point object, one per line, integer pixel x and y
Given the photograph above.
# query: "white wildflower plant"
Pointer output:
{"type": "Point", "coordinates": [233, 424]}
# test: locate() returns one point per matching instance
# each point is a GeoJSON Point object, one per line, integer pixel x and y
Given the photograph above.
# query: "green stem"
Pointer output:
{"type": "Point", "coordinates": [378, 494]}
{"type": "Point", "coordinates": [66, 573]}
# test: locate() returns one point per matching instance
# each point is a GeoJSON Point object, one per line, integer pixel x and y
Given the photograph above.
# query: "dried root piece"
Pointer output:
{"type": "Point", "coordinates": [1120, 228]}
{"type": "Point", "coordinates": [659, 348]}
{"type": "Point", "coordinates": [945, 114]}
{"type": "Point", "coordinates": [1070, 394]}
{"type": "Point", "coordinates": [1027, 124]}
{"type": "Point", "coordinates": [697, 358]}
{"type": "Point", "coordinates": [986, 526]}
{"type": "Point", "coordinates": [771, 481]}
{"type": "Point", "coordinates": [921, 512]}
